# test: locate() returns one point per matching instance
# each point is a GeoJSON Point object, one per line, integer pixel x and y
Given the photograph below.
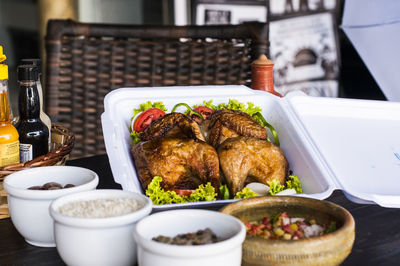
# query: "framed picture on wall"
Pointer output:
{"type": "Point", "coordinates": [228, 11]}
{"type": "Point", "coordinates": [304, 46]}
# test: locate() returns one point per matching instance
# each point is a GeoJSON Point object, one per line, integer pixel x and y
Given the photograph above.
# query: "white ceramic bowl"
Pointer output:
{"type": "Point", "coordinates": [171, 223]}
{"type": "Point", "coordinates": [97, 241]}
{"type": "Point", "coordinates": [29, 209]}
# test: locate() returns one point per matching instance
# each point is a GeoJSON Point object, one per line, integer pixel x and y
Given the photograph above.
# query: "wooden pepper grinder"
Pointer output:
{"type": "Point", "coordinates": [262, 75]}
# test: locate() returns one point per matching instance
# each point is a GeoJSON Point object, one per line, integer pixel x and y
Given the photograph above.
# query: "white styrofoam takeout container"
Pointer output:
{"type": "Point", "coordinates": [330, 143]}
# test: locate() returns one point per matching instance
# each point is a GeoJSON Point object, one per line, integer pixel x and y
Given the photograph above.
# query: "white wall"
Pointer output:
{"type": "Point", "coordinates": [110, 11]}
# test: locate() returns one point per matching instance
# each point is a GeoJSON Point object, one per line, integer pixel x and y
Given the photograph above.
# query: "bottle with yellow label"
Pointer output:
{"type": "Point", "coordinates": [9, 143]}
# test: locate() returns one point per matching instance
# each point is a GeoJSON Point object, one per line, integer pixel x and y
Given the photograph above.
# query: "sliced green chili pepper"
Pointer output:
{"type": "Point", "coordinates": [270, 127]}
{"type": "Point", "coordinates": [189, 109]}
{"type": "Point", "coordinates": [223, 189]}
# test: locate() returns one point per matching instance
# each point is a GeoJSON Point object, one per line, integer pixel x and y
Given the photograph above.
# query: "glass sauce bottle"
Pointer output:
{"type": "Point", "coordinates": [9, 144]}
{"type": "Point", "coordinates": [33, 133]}
{"type": "Point", "coordinates": [43, 116]}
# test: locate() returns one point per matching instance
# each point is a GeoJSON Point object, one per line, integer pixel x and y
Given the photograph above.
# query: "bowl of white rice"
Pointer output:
{"type": "Point", "coordinates": [95, 227]}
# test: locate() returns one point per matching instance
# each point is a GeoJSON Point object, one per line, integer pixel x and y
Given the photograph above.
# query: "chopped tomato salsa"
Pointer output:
{"type": "Point", "coordinates": [281, 226]}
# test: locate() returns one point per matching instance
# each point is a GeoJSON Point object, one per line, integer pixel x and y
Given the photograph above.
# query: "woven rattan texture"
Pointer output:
{"type": "Point", "coordinates": [84, 67]}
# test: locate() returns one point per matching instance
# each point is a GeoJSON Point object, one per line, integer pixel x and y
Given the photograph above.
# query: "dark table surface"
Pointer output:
{"type": "Point", "coordinates": [377, 229]}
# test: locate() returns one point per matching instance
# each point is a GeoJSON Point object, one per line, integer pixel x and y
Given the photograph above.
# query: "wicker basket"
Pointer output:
{"type": "Point", "coordinates": [62, 141]}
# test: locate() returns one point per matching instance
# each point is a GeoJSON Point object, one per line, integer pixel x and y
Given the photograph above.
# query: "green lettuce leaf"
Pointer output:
{"type": "Point", "coordinates": [245, 194]}
{"type": "Point", "coordinates": [251, 109]}
{"type": "Point", "coordinates": [233, 105]}
{"type": "Point", "coordinates": [135, 137]}
{"type": "Point", "coordinates": [203, 193]}
{"type": "Point", "coordinates": [159, 196]}
{"type": "Point", "coordinates": [208, 104]}
{"type": "Point", "coordinates": [274, 187]}
{"type": "Point", "coordinates": [294, 182]}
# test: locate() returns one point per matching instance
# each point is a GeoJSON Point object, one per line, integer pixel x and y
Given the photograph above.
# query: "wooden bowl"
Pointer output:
{"type": "Point", "coordinates": [329, 249]}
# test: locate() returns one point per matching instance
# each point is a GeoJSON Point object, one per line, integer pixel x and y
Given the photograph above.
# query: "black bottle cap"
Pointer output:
{"type": "Point", "coordinates": [33, 61]}
{"type": "Point", "coordinates": [27, 73]}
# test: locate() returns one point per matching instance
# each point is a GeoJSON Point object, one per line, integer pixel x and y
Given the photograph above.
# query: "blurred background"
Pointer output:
{"type": "Point", "coordinates": [342, 72]}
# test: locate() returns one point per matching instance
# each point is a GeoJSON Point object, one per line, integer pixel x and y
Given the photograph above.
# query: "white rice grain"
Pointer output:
{"type": "Point", "coordinates": [100, 208]}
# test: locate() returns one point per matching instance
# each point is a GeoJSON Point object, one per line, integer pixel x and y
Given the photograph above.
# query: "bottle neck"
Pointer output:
{"type": "Point", "coordinates": [28, 101]}
{"type": "Point", "coordinates": [40, 91]}
{"type": "Point", "coordinates": [4, 103]}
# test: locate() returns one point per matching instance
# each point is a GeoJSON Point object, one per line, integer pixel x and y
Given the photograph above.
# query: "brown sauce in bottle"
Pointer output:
{"type": "Point", "coordinates": [33, 133]}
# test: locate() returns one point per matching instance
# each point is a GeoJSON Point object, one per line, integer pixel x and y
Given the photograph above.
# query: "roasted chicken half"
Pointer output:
{"type": "Point", "coordinates": [247, 159]}
{"type": "Point", "coordinates": [173, 124]}
{"type": "Point", "coordinates": [224, 124]}
{"type": "Point", "coordinates": [183, 163]}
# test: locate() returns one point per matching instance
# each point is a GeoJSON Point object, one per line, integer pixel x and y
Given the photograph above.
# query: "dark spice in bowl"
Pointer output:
{"type": "Point", "coordinates": [51, 186]}
{"type": "Point", "coordinates": [201, 237]}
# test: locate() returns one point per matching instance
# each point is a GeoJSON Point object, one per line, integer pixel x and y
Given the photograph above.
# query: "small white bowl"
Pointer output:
{"type": "Point", "coordinates": [97, 241]}
{"type": "Point", "coordinates": [172, 223]}
{"type": "Point", "coordinates": [29, 209]}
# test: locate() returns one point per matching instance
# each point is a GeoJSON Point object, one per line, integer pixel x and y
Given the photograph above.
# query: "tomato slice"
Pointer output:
{"type": "Point", "coordinates": [144, 119]}
{"type": "Point", "coordinates": [184, 192]}
{"type": "Point", "coordinates": [204, 111]}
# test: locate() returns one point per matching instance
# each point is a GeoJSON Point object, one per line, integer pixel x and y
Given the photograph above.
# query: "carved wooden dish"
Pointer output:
{"type": "Point", "coordinates": [329, 249]}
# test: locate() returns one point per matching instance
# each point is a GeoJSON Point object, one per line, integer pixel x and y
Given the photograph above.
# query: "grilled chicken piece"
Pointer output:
{"type": "Point", "coordinates": [182, 162]}
{"type": "Point", "coordinates": [224, 124]}
{"type": "Point", "coordinates": [173, 124]}
{"type": "Point", "coordinates": [246, 159]}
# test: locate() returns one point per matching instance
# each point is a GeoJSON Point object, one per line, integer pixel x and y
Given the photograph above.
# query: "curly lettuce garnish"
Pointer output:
{"type": "Point", "coordinates": [159, 196]}
{"type": "Point", "coordinates": [245, 194]}
{"type": "Point", "coordinates": [203, 193]}
{"type": "Point", "coordinates": [135, 137]}
{"type": "Point", "coordinates": [207, 104]}
{"type": "Point", "coordinates": [274, 187]}
{"type": "Point", "coordinates": [294, 182]}
{"type": "Point", "coordinates": [251, 109]}
{"type": "Point", "coordinates": [207, 192]}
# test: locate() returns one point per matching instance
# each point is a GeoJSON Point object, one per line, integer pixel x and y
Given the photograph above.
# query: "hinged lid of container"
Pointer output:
{"type": "Point", "coordinates": [357, 140]}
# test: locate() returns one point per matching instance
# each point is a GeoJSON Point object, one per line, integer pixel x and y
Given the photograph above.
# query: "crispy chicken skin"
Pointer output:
{"type": "Point", "coordinates": [182, 162]}
{"type": "Point", "coordinates": [172, 124]}
{"type": "Point", "coordinates": [224, 124]}
{"type": "Point", "coordinates": [247, 159]}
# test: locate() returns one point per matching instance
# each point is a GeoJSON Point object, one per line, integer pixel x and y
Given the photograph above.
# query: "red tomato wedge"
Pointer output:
{"type": "Point", "coordinates": [144, 119]}
{"type": "Point", "coordinates": [184, 192]}
{"type": "Point", "coordinates": [204, 111]}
